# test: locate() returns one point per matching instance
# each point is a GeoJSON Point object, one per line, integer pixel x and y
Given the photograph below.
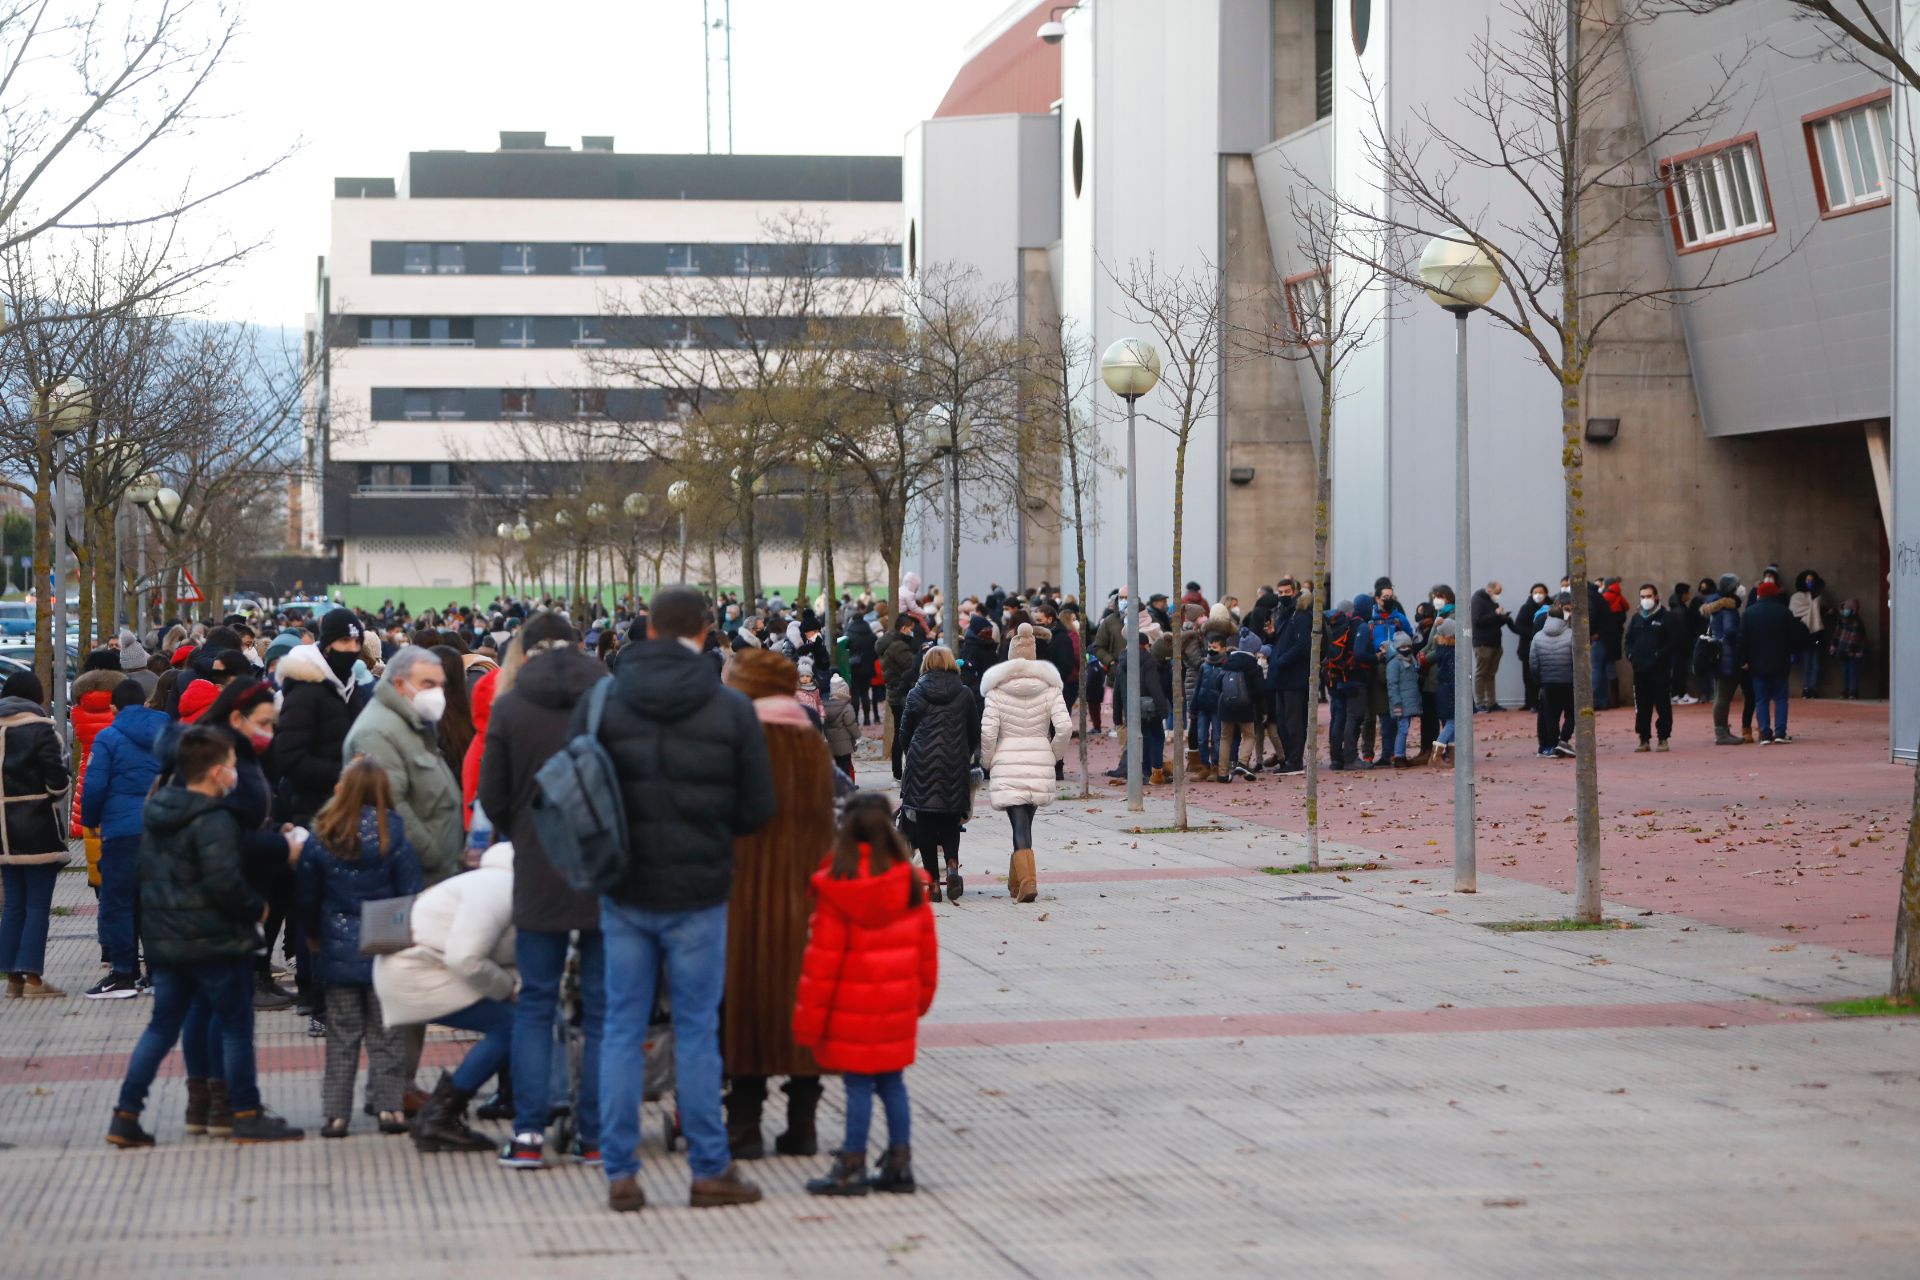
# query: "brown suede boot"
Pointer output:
{"type": "Point", "coordinates": [1023, 883]}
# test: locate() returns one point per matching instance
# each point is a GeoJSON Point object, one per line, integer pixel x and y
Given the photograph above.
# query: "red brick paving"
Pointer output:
{"type": "Point", "coordinates": [1801, 841]}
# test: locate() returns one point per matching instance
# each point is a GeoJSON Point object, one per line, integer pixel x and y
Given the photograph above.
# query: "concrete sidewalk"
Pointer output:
{"type": "Point", "coordinates": [1172, 1064]}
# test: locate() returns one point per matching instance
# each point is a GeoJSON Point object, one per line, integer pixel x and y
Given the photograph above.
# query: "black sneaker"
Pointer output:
{"type": "Point", "coordinates": [1288, 770]}
{"type": "Point", "coordinates": [261, 1125]}
{"type": "Point", "coordinates": [316, 1027]}
{"type": "Point", "coordinates": [143, 985]}
{"type": "Point", "coordinates": [115, 986]}
{"type": "Point", "coordinates": [125, 1131]}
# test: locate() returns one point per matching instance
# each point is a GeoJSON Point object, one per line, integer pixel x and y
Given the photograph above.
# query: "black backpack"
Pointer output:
{"type": "Point", "coordinates": [1236, 700]}
{"type": "Point", "coordinates": [577, 807]}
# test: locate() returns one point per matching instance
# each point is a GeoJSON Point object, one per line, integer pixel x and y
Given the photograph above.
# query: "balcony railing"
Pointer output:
{"type": "Point", "coordinates": [414, 490]}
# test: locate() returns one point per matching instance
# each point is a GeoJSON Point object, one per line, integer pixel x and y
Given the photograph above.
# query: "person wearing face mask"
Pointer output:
{"type": "Point", "coordinates": [1525, 624]}
{"type": "Point", "coordinates": [1807, 604]}
{"type": "Point", "coordinates": [1651, 636]}
{"type": "Point", "coordinates": [398, 731]}
{"type": "Point", "coordinates": [1849, 646]}
{"type": "Point", "coordinates": [319, 703]}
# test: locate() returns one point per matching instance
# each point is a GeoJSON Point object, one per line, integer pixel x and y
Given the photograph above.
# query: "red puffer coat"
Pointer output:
{"type": "Point", "coordinates": [92, 711]}
{"type": "Point", "coordinates": [871, 966]}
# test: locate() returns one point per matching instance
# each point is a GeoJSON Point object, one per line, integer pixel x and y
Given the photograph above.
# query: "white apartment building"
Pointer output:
{"type": "Point", "coordinates": [458, 302]}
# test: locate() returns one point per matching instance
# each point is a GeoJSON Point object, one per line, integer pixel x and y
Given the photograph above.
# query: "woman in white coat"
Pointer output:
{"type": "Point", "coordinates": [1023, 703]}
{"type": "Point", "coordinates": [459, 973]}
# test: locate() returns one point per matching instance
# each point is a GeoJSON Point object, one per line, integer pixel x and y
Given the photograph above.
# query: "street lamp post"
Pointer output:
{"type": "Point", "coordinates": [636, 505]}
{"type": "Point", "coordinates": [1462, 278]}
{"type": "Point", "coordinates": [1130, 368]}
{"type": "Point", "coordinates": [679, 493]}
{"type": "Point", "coordinates": [65, 404]}
{"type": "Point", "coordinates": [139, 493]}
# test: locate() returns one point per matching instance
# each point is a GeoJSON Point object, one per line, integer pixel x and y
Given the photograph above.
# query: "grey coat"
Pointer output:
{"type": "Point", "coordinates": [1552, 653]}
{"type": "Point", "coordinates": [425, 792]}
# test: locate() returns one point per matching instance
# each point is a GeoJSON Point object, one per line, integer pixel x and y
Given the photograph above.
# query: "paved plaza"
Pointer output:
{"type": "Point", "coordinates": [1173, 1064]}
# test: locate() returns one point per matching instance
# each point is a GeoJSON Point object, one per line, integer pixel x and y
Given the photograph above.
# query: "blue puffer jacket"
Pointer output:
{"type": "Point", "coordinates": [1403, 683]}
{"type": "Point", "coordinates": [1206, 694]}
{"type": "Point", "coordinates": [120, 772]}
{"type": "Point", "coordinates": [332, 888]}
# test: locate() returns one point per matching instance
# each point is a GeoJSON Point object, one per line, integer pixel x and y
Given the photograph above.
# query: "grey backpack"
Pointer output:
{"type": "Point", "coordinates": [577, 807]}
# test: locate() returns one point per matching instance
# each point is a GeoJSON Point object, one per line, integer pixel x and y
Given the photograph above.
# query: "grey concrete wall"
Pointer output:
{"type": "Point", "coordinates": [1905, 539]}
{"type": "Point", "coordinates": [1042, 555]}
{"type": "Point", "coordinates": [1805, 343]}
{"type": "Point", "coordinates": [1294, 83]}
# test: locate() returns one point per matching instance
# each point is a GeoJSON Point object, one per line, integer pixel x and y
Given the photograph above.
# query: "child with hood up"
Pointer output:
{"type": "Point", "coordinates": [841, 726]}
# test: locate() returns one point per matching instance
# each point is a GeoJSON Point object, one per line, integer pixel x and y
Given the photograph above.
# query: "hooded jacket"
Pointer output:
{"type": "Point", "coordinates": [317, 710]}
{"type": "Point", "coordinates": [1288, 665]}
{"type": "Point", "coordinates": [1023, 699]}
{"type": "Point", "coordinates": [332, 890]}
{"type": "Point", "coordinates": [133, 661]}
{"type": "Point", "coordinates": [1722, 616]}
{"type": "Point", "coordinates": [92, 702]}
{"type": "Point", "coordinates": [940, 734]}
{"type": "Point", "coordinates": [462, 950]}
{"type": "Point", "coordinates": [1552, 652]}
{"type": "Point", "coordinates": [839, 723]}
{"type": "Point", "coordinates": [871, 967]}
{"type": "Point", "coordinates": [1769, 637]}
{"type": "Point", "coordinates": [900, 662]}
{"type": "Point", "coordinates": [195, 902]}
{"type": "Point", "coordinates": [120, 771]}
{"type": "Point", "coordinates": [1403, 683]}
{"type": "Point", "coordinates": [426, 795]}
{"type": "Point", "coordinates": [694, 773]}
{"type": "Point", "coordinates": [527, 725]}
{"type": "Point", "coordinates": [481, 697]}
{"type": "Point", "coordinates": [34, 764]}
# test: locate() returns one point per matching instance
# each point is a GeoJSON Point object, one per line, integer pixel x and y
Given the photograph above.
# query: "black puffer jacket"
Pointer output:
{"type": "Point", "coordinates": [940, 735]}
{"type": "Point", "coordinates": [860, 654]}
{"type": "Point", "coordinates": [1769, 637]}
{"type": "Point", "coordinates": [694, 773]}
{"type": "Point", "coordinates": [35, 765]}
{"type": "Point", "coordinates": [529, 724]}
{"type": "Point", "coordinates": [315, 714]}
{"type": "Point", "coordinates": [195, 902]}
{"type": "Point", "coordinates": [900, 663]}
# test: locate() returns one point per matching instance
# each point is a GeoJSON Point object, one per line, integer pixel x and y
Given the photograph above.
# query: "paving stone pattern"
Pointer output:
{"type": "Point", "coordinates": [1185, 1067]}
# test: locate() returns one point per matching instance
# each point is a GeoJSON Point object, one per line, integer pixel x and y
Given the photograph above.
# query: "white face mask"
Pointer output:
{"type": "Point", "coordinates": [1439, 603]}
{"type": "Point", "coordinates": [1648, 606]}
{"type": "Point", "coordinates": [431, 704]}
{"type": "Point", "coordinates": [1539, 597]}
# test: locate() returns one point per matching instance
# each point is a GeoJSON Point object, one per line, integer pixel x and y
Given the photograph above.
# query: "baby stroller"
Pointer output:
{"type": "Point", "coordinates": [569, 1048]}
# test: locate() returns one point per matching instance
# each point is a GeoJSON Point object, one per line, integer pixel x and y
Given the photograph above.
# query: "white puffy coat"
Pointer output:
{"type": "Point", "coordinates": [462, 950]}
{"type": "Point", "coordinates": [1022, 699]}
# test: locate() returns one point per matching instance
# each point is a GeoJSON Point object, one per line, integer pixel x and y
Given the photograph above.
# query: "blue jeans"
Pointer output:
{"type": "Point", "coordinates": [119, 892]}
{"type": "Point", "coordinates": [201, 1040]}
{"type": "Point", "coordinates": [493, 1019]}
{"type": "Point", "coordinates": [1602, 676]}
{"type": "Point", "coordinates": [542, 958]}
{"type": "Point", "coordinates": [1771, 694]}
{"type": "Point", "coordinates": [1850, 676]}
{"type": "Point", "coordinates": [892, 1088]}
{"type": "Point", "coordinates": [1446, 733]}
{"type": "Point", "coordinates": [1153, 744]}
{"type": "Point", "coordinates": [225, 987]}
{"type": "Point", "coordinates": [1343, 729]}
{"type": "Point", "coordinates": [1209, 725]}
{"type": "Point", "coordinates": [1808, 661]}
{"type": "Point", "coordinates": [693, 947]}
{"type": "Point", "coordinates": [25, 916]}
{"type": "Point", "coordinates": [1402, 726]}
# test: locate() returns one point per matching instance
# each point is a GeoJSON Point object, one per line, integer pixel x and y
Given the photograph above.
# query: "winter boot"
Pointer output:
{"type": "Point", "coordinates": [196, 1105]}
{"type": "Point", "coordinates": [443, 1122]}
{"type": "Point", "coordinates": [261, 1125]}
{"type": "Point", "coordinates": [848, 1177]}
{"type": "Point", "coordinates": [125, 1131]}
{"type": "Point", "coordinates": [219, 1110]}
{"type": "Point", "coordinates": [1159, 777]}
{"type": "Point", "coordinates": [1726, 737]}
{"type": "Point", "coordinates": [955, 885]}
{"type": "Point", "coordinates": [1023, 884]}
{"type": "Point", "coordinates": [744, 1101]}
{"type": "Point", "coordinates": [500, 1105]}
{"type": "Point", "coordinates": [803, 1099]}
{"type": "Point", "coordinates": [895, 1172]}
{"type": "Point", "coordinates": [1645, 745]}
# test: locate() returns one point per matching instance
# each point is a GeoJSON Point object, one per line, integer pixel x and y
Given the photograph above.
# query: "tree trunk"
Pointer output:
{"type": "Point", "coordinates": [953, 538]}
{"type": "Point", "coordinates": [749, 552]}
{"type": "Point", "coordinates": [806, 564]}
{"type": "Point", "coordinates": [1586, 771]}
{"type": "Point", "coordinates": [106, 624]}
{"type": "Point", "coordinates": [83, 552]}
{"type": "Point", "coordinates": [830, 616]}
{"type": "Point", "coordinates": [42, 557]}
{"type": "Point", "coordinates": [1179, 745]}
{"type": "Point", "coordinates": [890, 554]}
{"type": "Point", "coordinates": [1080, 570]}
{"type": "Point", "coordinates": [1322, 526]}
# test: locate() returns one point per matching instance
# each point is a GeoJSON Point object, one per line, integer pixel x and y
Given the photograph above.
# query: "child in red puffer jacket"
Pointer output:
{"type": "Point", "coordinates": [870, 970]}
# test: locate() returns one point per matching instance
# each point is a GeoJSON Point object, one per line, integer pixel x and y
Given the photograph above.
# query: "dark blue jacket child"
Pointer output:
{"type": "Point", "coordinates": [332, 888]}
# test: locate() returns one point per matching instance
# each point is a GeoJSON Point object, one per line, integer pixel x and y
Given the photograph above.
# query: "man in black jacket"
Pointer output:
{"type": "Point", "coordinates": [201, 922]}
{"type": "Point", "coordinates": [1769, 637]}
{"type": "Point", "coordinates": [1652, 635]}
{"type": "Point", "coordinates": [528, 725]}
{"type": "Point", "coordinates": [319, 703]}
{"type": "Point", "coordinates": [694, 775]}
{"type": "Point", "coordinates": [1289, 673]}
{"type": "Point", "coordinates": [1489, 620]}
{"type": "Point", "coordinates": [899, 652]}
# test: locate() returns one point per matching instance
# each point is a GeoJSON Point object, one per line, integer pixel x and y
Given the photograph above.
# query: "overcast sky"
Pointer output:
{"type": "Point", "coordinates": [362, 82]}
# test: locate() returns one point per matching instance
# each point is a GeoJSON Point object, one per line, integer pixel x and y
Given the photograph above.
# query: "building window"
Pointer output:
{"type": "Point", "coordinates": [680, 260]}
{"type": "Point", "coordinates": [1718, 195]}
{"type": "Point", "coordinates": [389, 331]}
{"type": "Point", "coordinates": [589, 259]}
{"type": "Point", "coordinates": [516, 402]}
{"type": "Point", "coordinates": [424, 404]}
{"type": "Point", "coordinates": [588, 332]}
{"type": "Point", "coordinates": [1852, 150]}
{"type": "Point", "coordinates": [449, 259]}
{"type": "Point", "coordinates": [590, 403]}
{"type": "Point", "coordinates": [417, 258]}
{"type": "Point", "coordinates": [752, 260]}
{"type": "Point", "coordinates": [1306, 303]}
{"type": "Point", "coordinates": [516, 259]}
{"type": "Point", "coordinates": [516, 331]}
{"type": "Point", "coordinates": [893, 260]}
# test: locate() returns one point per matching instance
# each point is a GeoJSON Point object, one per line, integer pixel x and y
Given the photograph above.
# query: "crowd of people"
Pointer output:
{"type": "Point", "coordinates": [360, 789]}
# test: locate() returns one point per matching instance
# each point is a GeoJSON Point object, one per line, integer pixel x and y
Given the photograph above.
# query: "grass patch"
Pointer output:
{"type": "Point", "coordinates": [1557, 926]}
{"type": "Point", "coordinates": [1871, 1007]}
{"type": "Point", "coordinates": [1302, 869]}
{"type": "Point", "coordinates": [59, 911]}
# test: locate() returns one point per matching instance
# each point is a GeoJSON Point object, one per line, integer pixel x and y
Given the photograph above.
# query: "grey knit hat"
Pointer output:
{"type": "Point", "coordinates": [1729, 583]}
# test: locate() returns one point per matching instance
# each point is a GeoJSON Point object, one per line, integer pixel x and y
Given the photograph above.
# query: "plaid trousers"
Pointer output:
{"type": "Point", "coordinates": [353, 1015]}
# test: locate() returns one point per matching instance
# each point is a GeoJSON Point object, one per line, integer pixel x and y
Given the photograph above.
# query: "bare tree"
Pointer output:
{"type": "Point", "coordinates": [1334, 310]}
{"type": "Point", "coordinates": [1186, 311]}
{"type": "Point", "coordinates": [1543, 97]}
{"type": "Point", "coordinates": [1060, 368]}
{"type": "Point", "coordinates": [1858, 30]}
